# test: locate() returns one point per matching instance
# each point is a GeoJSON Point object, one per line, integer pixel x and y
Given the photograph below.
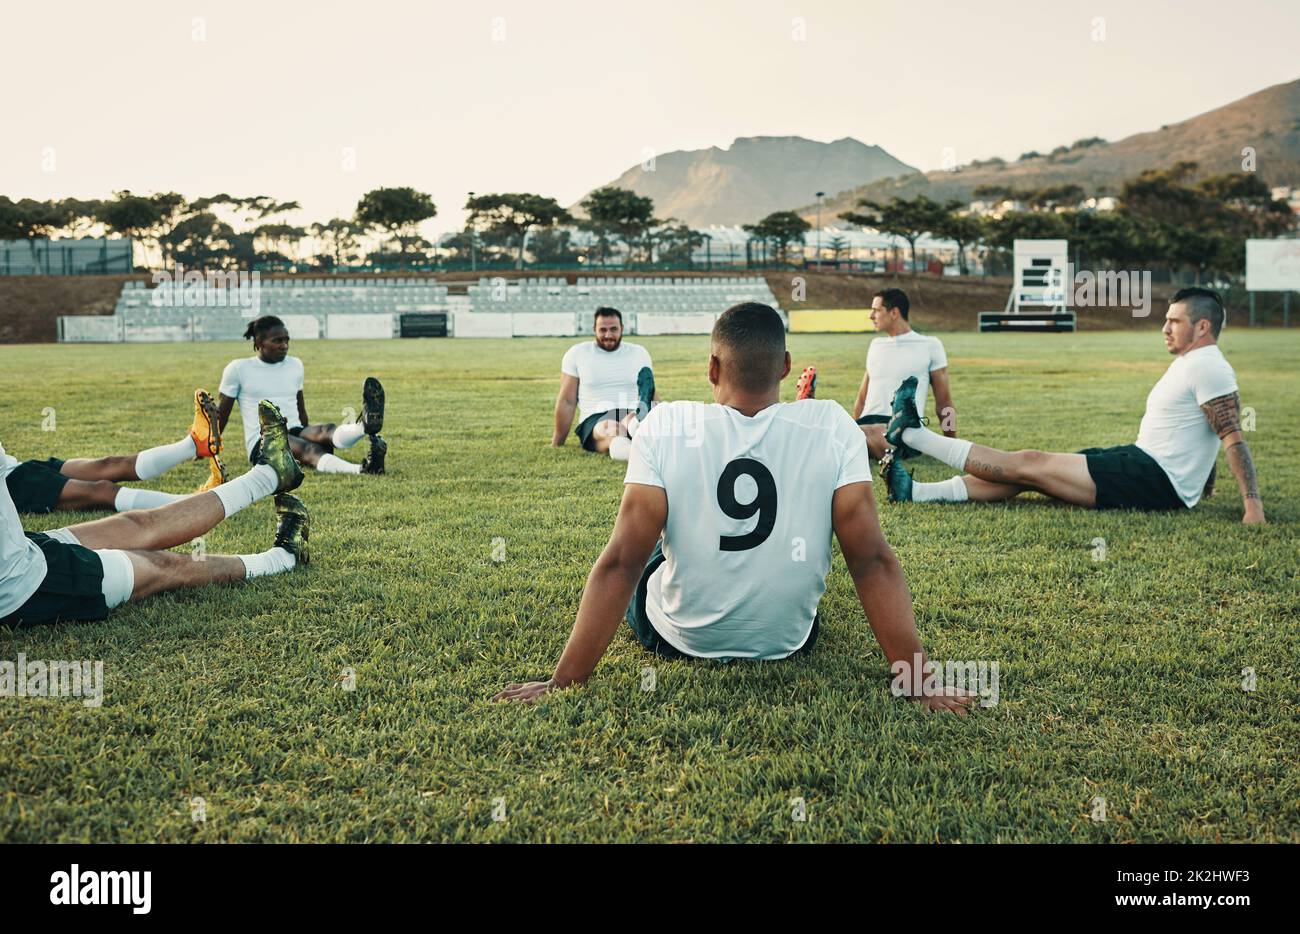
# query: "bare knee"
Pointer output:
{"type": "Point", "coordinates": [146, 531]}
{"type": "Point", "coordinates": [310, 454]}
{"type": "Point", "coordinates": [1026, 467]}
{"type": "Point", "coordinates": [88, 494]}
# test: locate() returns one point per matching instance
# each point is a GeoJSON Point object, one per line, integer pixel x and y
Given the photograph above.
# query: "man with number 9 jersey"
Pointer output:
{"type": "Point", "coordinates": [746, 493]}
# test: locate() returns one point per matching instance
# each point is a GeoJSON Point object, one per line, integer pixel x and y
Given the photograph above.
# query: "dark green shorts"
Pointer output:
{"type": "Point", "coordinates": [588, 425]}
{"type": "Point", "coordinates": [649, 637]}
{"type": "Point", "coordinates": [1127, 477]}
{"type": "Point", "coordinates": [73, 588]}
{"type": "Point", "coordinates": [35, 486]}
{"type": "Point", "coordinates": [874, 420]}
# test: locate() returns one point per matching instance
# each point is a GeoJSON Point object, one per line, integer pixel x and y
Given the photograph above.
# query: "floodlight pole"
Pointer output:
{"type": "Point", "coordinates": [820, 195]}
{"type": "Point", "coordinates": [473, 244]}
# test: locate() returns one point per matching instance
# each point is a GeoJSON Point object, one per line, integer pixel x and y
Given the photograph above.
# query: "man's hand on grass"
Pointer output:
{"type": "Point", "coordinates": [952, 700]}
{"type": "Point", "coordinates": [1254, 513]}
{"type": "Point", "coordinates": [528, 692]}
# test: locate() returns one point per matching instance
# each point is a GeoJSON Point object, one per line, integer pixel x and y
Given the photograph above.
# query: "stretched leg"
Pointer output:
{"type": "Point", "coordinates": [158, 571]}
{"type": "Point", "coordinates": [117, 467]}
{"type": "Point", "coordinates": [178, 522]}
{"type": "Point", "coordinates": [1060, 476]}
{"type": "Point", "coordinates": [88, 495]}
{"type": "Point", "coordinates": [322, 433]}
{"type": "Point", "coordinates": [147, 464]}
{"type": "Point", "coordinates": [876, 444]}
{"type": "Point", "coordinates": [319, 455]}
{"type": "Point", "coordinates": [605, 432]}
{"type": "Point", "coordinates": [982, 491]}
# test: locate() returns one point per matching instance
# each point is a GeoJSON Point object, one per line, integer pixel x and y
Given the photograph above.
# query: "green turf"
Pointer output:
{"type": "Point", "coordinates": [1119, 678]}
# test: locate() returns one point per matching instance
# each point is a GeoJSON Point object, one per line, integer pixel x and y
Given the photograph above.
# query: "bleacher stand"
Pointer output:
{"type": "Point", "coordinates": [383, 307]}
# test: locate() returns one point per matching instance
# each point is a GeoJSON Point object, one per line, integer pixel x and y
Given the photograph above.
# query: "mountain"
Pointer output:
{"type": "Point", "coordinates": [755, 176]}
{"type": "Point", "coordinates": [1268, 121]}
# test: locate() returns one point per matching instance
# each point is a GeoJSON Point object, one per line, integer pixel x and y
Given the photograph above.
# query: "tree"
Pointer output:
{"type": "Point", "coordinates": [200, 239]}
{"type": "Point", "coordinates": [339, 238]}
{"type": "Point", "coordinates": [77, 216]}
{"type": "Point", "coordinates": [619, 213]}
{"type": "Point", "coordinates": [906, 219]}
{"type": "Point", "coordinates": [277, 236]}
{"type": "Point", "coordinates": [1054, 196]}
{"type": "Point", "coordinates": [838, 247]}
{"type": "Point", "coordinates": [780, 228]}
{"type": "Point", "coordinates": [553, 246]}
{"type": "Point", "coordinates": [513, 215]}
{"type": "Point", "coordinates": [962, 229]}
{"type": "Point", "coordinates": [399, 211]}
{"type": "Point", "coordinates": [677, 242]}
{"type": "Point", "coordinates": [1110, 237]}
{"type": "Point", "coordinates": [37, 220]}
{"type": "Point", "coordinates": [129, 215]}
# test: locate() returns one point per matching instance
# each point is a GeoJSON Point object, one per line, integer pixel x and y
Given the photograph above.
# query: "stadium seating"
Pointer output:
{"type": "Point", "coordinates": [375, 308]}
{"type": "Point", "coordinates": [676, 305]}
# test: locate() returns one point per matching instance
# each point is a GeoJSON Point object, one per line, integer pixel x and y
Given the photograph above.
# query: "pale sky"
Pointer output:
{"type": "Point", "coordinates": [557, 97]}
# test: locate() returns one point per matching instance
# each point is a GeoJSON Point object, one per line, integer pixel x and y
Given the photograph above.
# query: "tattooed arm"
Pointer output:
{"type": "Point", "coordinates": [1224, 416]}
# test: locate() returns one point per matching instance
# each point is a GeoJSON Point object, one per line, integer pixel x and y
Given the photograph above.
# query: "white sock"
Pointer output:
{"type": "Point", "coordinates": [129, 498]}
{"type": "Point", "coordinates": [247, 489]}
{"type": "Point", "coordinates": [329, 463]}
{"type": "Point", "coordinates": [620, 449]}
{"type": "Point", "coordinates": [347, 435]}
{"type": "Point", "coordinates": [274, 561]}
{"type": "Point", "coordinates": [157, 461]}
{"type": "Point", "coordinates": [952, 451]}
{"type": "Point", "coordinates": [945, 491]}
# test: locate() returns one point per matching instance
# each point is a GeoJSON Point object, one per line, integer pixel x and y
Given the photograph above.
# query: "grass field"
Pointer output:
{"type": "Point", "coordinates": [1120, 678]}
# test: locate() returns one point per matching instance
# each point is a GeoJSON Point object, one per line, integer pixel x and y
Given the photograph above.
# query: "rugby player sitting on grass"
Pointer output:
{"type": "Point", "coordinates": [610, 384]}
{"type": "Point", "coordinates": [900, 352]}
{"type": "Point", "coordinates": [1191, 411]}
{"type": "Point", "coordinates": [82, 571]}
{"type": "Point", "coordinates": [273, 374]}
{"type": "Point", "coordinates": [86, 484]}
{"type": "Point", "coordinates": [745, 493]}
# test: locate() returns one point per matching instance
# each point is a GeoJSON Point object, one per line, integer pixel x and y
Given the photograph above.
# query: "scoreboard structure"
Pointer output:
{"type": "Point", "coordinates": [1039, 299]}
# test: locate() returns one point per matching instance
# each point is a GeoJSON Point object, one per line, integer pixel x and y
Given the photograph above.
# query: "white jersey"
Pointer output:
{"type": "Point", "coordinates": [748, 539]}
{"type": "Point", "coordinates": [1174, 430]}
{"type": "Point", "coordinates": [250, 380]}
{"type": "Point", "coordinates": [606, 379]}
{"type": "Point", "coordinates": [890, 360]}
{"type": "Point", "coordinates": [7, 463]}
{"type": "Point", "coordinates": [22, 566]}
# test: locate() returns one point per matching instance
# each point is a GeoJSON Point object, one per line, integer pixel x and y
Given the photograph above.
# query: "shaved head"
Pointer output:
{"type": "Point", "coordinates": [749, 342]}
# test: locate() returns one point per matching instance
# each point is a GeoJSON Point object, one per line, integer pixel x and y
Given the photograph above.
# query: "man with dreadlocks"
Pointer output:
{"type": "Point", "coordinates": [273, 374]}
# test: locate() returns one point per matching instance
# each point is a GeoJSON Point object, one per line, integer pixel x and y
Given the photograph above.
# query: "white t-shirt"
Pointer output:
{"type": "Point", "coordinates": [249, 380]}
{"type": "Point", "coordinates": [22, 566]}
{"type": "Point", "coordinates": [748, 539]}
{"type": "Point", "coordinates": [1174, 430]}
{"type": "Point", "coordinates": [7, 463]}
{"type": "Point", "coordinates": [890, 360]}
{"type": "Point", "coordinates": [606, 379]}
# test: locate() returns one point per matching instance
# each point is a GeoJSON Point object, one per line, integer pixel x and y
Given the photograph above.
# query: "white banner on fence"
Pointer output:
{"type": "Point", "coordinates": [156, 333]}
{"type": "Point", "coordinates": [544, 324]}
{"type": "Point", "coordinates": [700, 322]}
{"type": "Point", "coordinates": [307, 327]}
{"type": "Point", "coordinates": [90, 328]}
{"type": "Point", "coordinates": [482, 324]}
{"type": "Point", "coordinates": [358, 326]}
{"type": "Point", "coordinates": [1273, 265]}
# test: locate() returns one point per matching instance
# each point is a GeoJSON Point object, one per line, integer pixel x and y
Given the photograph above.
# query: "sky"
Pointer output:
{"type": "Point", "coordinates": [320, 102]}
